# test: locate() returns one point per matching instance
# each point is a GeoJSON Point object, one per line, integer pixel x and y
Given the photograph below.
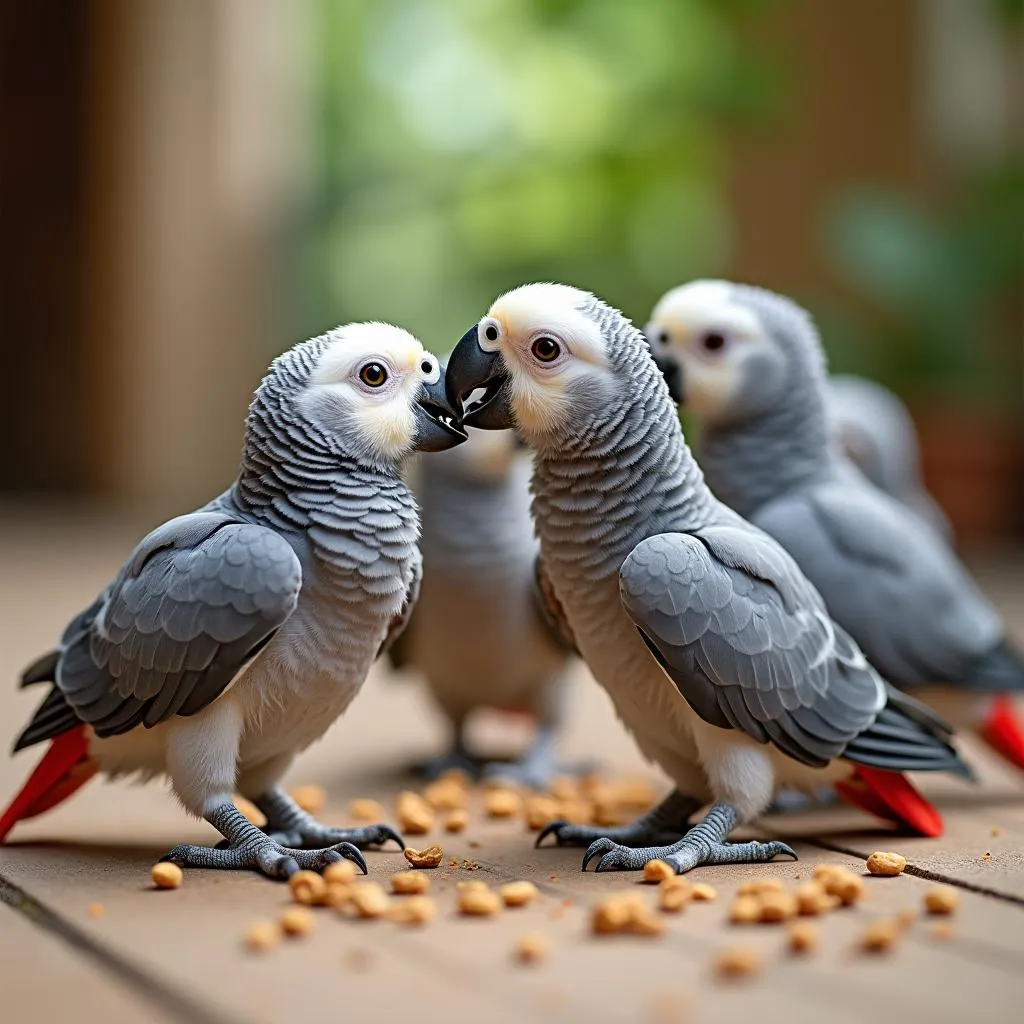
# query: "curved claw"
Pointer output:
{"type": "Point", "coordinates": [778, 846]}
{"type": "Point", "coordinates": [386, 833]}
{"type": "Point", "coordinates": [596, 847]}
{"type": "Point", "coordinates": [354, 854]}
{"type": "Point", "coordinates": [552, 828]}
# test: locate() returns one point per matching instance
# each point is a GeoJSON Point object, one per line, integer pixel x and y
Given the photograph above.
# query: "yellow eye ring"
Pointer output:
{"type": "Point", "coordinates": [373, 375]}
{"type": "Point", "coordinates": [545, 349]}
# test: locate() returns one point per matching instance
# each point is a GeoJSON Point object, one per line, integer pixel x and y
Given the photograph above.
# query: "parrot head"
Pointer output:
{"type": "Point", "coordinates": [544, 361]}
{"type": "Point", "coordinates": [730, 352]}
{"type": "Point", "coordinates": [370, 390]}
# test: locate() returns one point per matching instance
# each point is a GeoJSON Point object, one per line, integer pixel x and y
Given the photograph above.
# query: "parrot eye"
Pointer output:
{"type": "Point", "coordinates": [713, 341]}
{"type": "Point", "coordinates": [663, 337]}
{"type": "Point", "coordinates": [373, 375]}
{"type": "Point", "coordinates": [491, 332]}
{"type": "Point", "coordinates": [546, 349]}
{"type": "Point", "coordinates": [426, 366]}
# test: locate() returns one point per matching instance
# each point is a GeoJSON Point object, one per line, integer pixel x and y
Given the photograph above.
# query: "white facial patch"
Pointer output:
{"type": "Point", "coordinates": [380, 419]}
{"type": "Point", "coordinates": [681, 320]}
{"type": "Point", "coordinates": [540, 395]}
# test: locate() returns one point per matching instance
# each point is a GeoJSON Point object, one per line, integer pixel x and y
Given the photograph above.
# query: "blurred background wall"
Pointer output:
{"type": "Point", "coordinates": [190, 187]}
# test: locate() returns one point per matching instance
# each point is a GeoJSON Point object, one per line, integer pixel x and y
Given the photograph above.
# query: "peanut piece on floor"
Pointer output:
{"type": "Point", "coordinates": [338, 895]}
{"type": "Point", "coordinates": [428, 858]}
{"type": "Point", "coordinates": [658, 871]}
{"type": "Point", "coordinates": [308, 888]}
{"type": "Point", "coordinates": [777, 907]}
{"type": "Point", "coordinates": [704, 893]}
{"type": "Point", "coordinates": [941, 899]}
{"type": "Point", "coordinates": [310, 798]}
{"type": "Point", "coordinates": [166, 875]}
{"type": "Point", "coordinates": [456, 820]}
{"type": "Point", "coordinates": [811, 899]}
{"type": "Point", "coordinates": [370, 900]}
{"type": "Point", "coordinates": [416, 910]}
{"type": "Point", "coordinates": [445, 795]}
{"type": "Point", "coordinates": [415, 815]}
{"type": "Point", "coordinates": [409, 882]}
{"type": "Point", "coordinates": [474, 902]}
{"type": "Point", "coordinates": [737, 962]}
{"type": "Point", "coordinates": [845, 885]}
{"type": "Point", "coordinates": [674, 893]}
{"type": "Point", "coordinates": [250, 812]}
{"type": "Point", "coordinates": [884, 863]}
{"type": "Point", "coordinates": [880, 936]}
{"type": "Point", "coordinates": [540, 810]}
{"type": "Point", "coordinates": [365, 810]}
{"type": "Point", "coordinates": [97, 910]}
{"type": "Point", "coordinates": [297, 921]}
{"type": "Point", "coordinates": [532, 948]}
{"type": "Point", "coordinates": [745, 910]}
{"type": "Point", "coordinates": [340, 872]}
{"type": "Point", "coordinates": [760, 885]}
{"type": "Point", "coordinates": [261, 936]}
{"type": "Point", "coordinates": [802, 937]}
{"type": "Point", "coordinates": [502, 803]}
{"type": "Point", "coordinates": [518, 894]}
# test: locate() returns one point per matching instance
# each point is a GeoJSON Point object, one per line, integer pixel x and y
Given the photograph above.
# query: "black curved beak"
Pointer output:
{"type": "Point", "coordinates": [470, 368]}
{"type": "Point", "coordinates": [438, 422]}
{"type": "Point", "coordinates": [670, 370]}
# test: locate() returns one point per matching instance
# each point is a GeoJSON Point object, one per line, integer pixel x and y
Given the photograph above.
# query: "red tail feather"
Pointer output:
{"type": "Point", "coordinates": [891, 796]}
{"type": "Point", "coordinates": [1003, 731]}
{"type": "Point", "coordinates": [65, 766]}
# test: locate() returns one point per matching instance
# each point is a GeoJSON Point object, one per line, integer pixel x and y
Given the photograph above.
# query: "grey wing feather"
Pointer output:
{"type": "Point", "coordinates": [393, 645]}
{"type": "Point", "coordinates": [889, 579]}
{"type": "Point", "coordinates": [197, 598]}
{"type": "Point", "coordinates": [746, 640]}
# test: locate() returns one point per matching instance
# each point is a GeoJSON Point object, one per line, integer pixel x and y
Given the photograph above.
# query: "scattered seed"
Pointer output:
{"type": "Point", "coordinates": [338, 895]}
{"type": "Point", "coordinates": [166, 875]}
{"type": "Point", "coordinates": [479, 902]}
{"type": "Point", "coordinates": [658, 871]}
{"type": "Point", "coordinates": [297, 921]}
{"type": "Point", "coordinates": [532, 948]}
{"type": "Point", "coordinates": [539, 810]}
{"type": "Point", "coordinates": [250, 812]}
{"type": "Point", "coordinates": [777, 907]}
{"type": "Point", "coordinates": [625, 913]}
{"type": "Point", "coordinates": [811, 899]}
{"type": "Point", "coordinates": [409, 882]}
{"type": "Point", "coordinates": [416, 910]}
{"type": "Point", "coordinates": [745, 910]}
{"type": "Point", "coordinates": [445, 795]}
{"type": "Point", "coordinates": [339, 872]}
{"type": "Point", "coordinates": [415, 815]}
{"type": "Point", "coordinates": [502, 803]}
{"type": "Point", "coordinates": [428, 858]}
{"type": "Point", "coordinates": [738, 962]}
{"type": "Point", "coordinates": [310, 798]}
{"type": "Point", "coordinates": [941, 899]}
{"type": "Point", "coordinates": [995, 830]}
{"type": "Point", "coordinates": [370, 900]}
{"type": "Point", "coordinates": [844, 885]}
{"type": "Point", "coordinates": [457, 820]}
{"type": "Point", "coordinates": [97, 910]}
{"type": "Point", "coordinates": [308, 888]}
{"type": "Point", "coordinates": [880, 936]}
{"type": "Point", "coordinates": [759, 886]}
{"type": "Point", "coordinates": [704, 893]}
{"type": "Point", "coordinates": [261, 936]}
{"type": "Point", "coordinates": [674, 893]}
{"type": "Point", "coordinates": [576, 812]}
{"type": "Point", "coordinates": [365, 810]}
{"type": "Point", "coordinates": [802, 937]}
{"type": "Point", "coordinates": [518, 894]}
{"type": "Point", "coordinates": [883, 863]}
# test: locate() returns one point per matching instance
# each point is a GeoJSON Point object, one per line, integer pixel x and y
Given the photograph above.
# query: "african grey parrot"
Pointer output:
{"type": "Point", "coordinates": [236, 634]}
{"type": "Point", "coordinates": [753, 370]}
{"type": "Point", "coordinates": [477, 632]}
{"type": "Point", "coordinates": [877, 433]}
{"type": "Point", "coordinates": [716, 651]}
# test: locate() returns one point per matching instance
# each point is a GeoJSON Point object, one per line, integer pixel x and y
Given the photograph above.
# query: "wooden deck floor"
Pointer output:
{"type": "Point", "coordinates": [177, 955]}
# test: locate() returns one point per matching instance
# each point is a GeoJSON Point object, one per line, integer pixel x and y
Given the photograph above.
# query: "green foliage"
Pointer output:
{"type": "Point", "coordinates": [469, 145]}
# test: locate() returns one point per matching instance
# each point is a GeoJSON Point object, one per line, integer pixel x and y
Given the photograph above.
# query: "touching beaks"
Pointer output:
{"type": "Point", "coordinates": [470, 368]}
{"type": "Point", "coordinates": [438, 422]}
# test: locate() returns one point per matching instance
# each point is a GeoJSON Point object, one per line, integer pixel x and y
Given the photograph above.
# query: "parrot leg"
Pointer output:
{"type": "Point", "coordinates": [456, 759]}
{"type": "Point", "coordinates": [793, 800]}
{"type": "Point", "coordinates": [288, 823]}
{"type": "Point", "coordinates": [705, 843]}
{"type": "Point", "coordinates": [251, 848]}
{"type": "Point", "coordinates": [537, 765]}
{"type": "Point", "coordinates": [662, 824]}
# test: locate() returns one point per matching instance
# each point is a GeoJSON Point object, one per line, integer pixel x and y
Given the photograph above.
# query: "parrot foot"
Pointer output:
{"type": "Point", "coordinates": [704, 844]}
{"type": "Point", "coordinates": [661, 825]}
{"type": "Point", "coordinates": [289, 825]}
{"type": "Point", "coordinates": [249, 848]}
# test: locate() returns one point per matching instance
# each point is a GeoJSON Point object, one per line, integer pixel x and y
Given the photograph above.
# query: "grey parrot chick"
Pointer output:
{"type": "Point", "coordinates": [235, 635]}
{"type": "Point", "coordinates": [877, 433]}
{"type": "Point", "coordinates": [716, 651]}
{"type": "Point", "coordinates": [477, 633]}
{"type": "Point", "coordinates": [753, 371]}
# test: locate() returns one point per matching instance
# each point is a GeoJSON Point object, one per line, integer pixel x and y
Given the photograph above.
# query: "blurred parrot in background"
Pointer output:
{"type": "Point", "coordinates": [877, 434]}
{"type": "Point", "coordinates": [478, 632]}
{"type": "Point", "coordinates": [236, 634]}
{"type": "Point", "coordinates": [751, 367]}
{"type": "Point", "coordinates": [716, 651]}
